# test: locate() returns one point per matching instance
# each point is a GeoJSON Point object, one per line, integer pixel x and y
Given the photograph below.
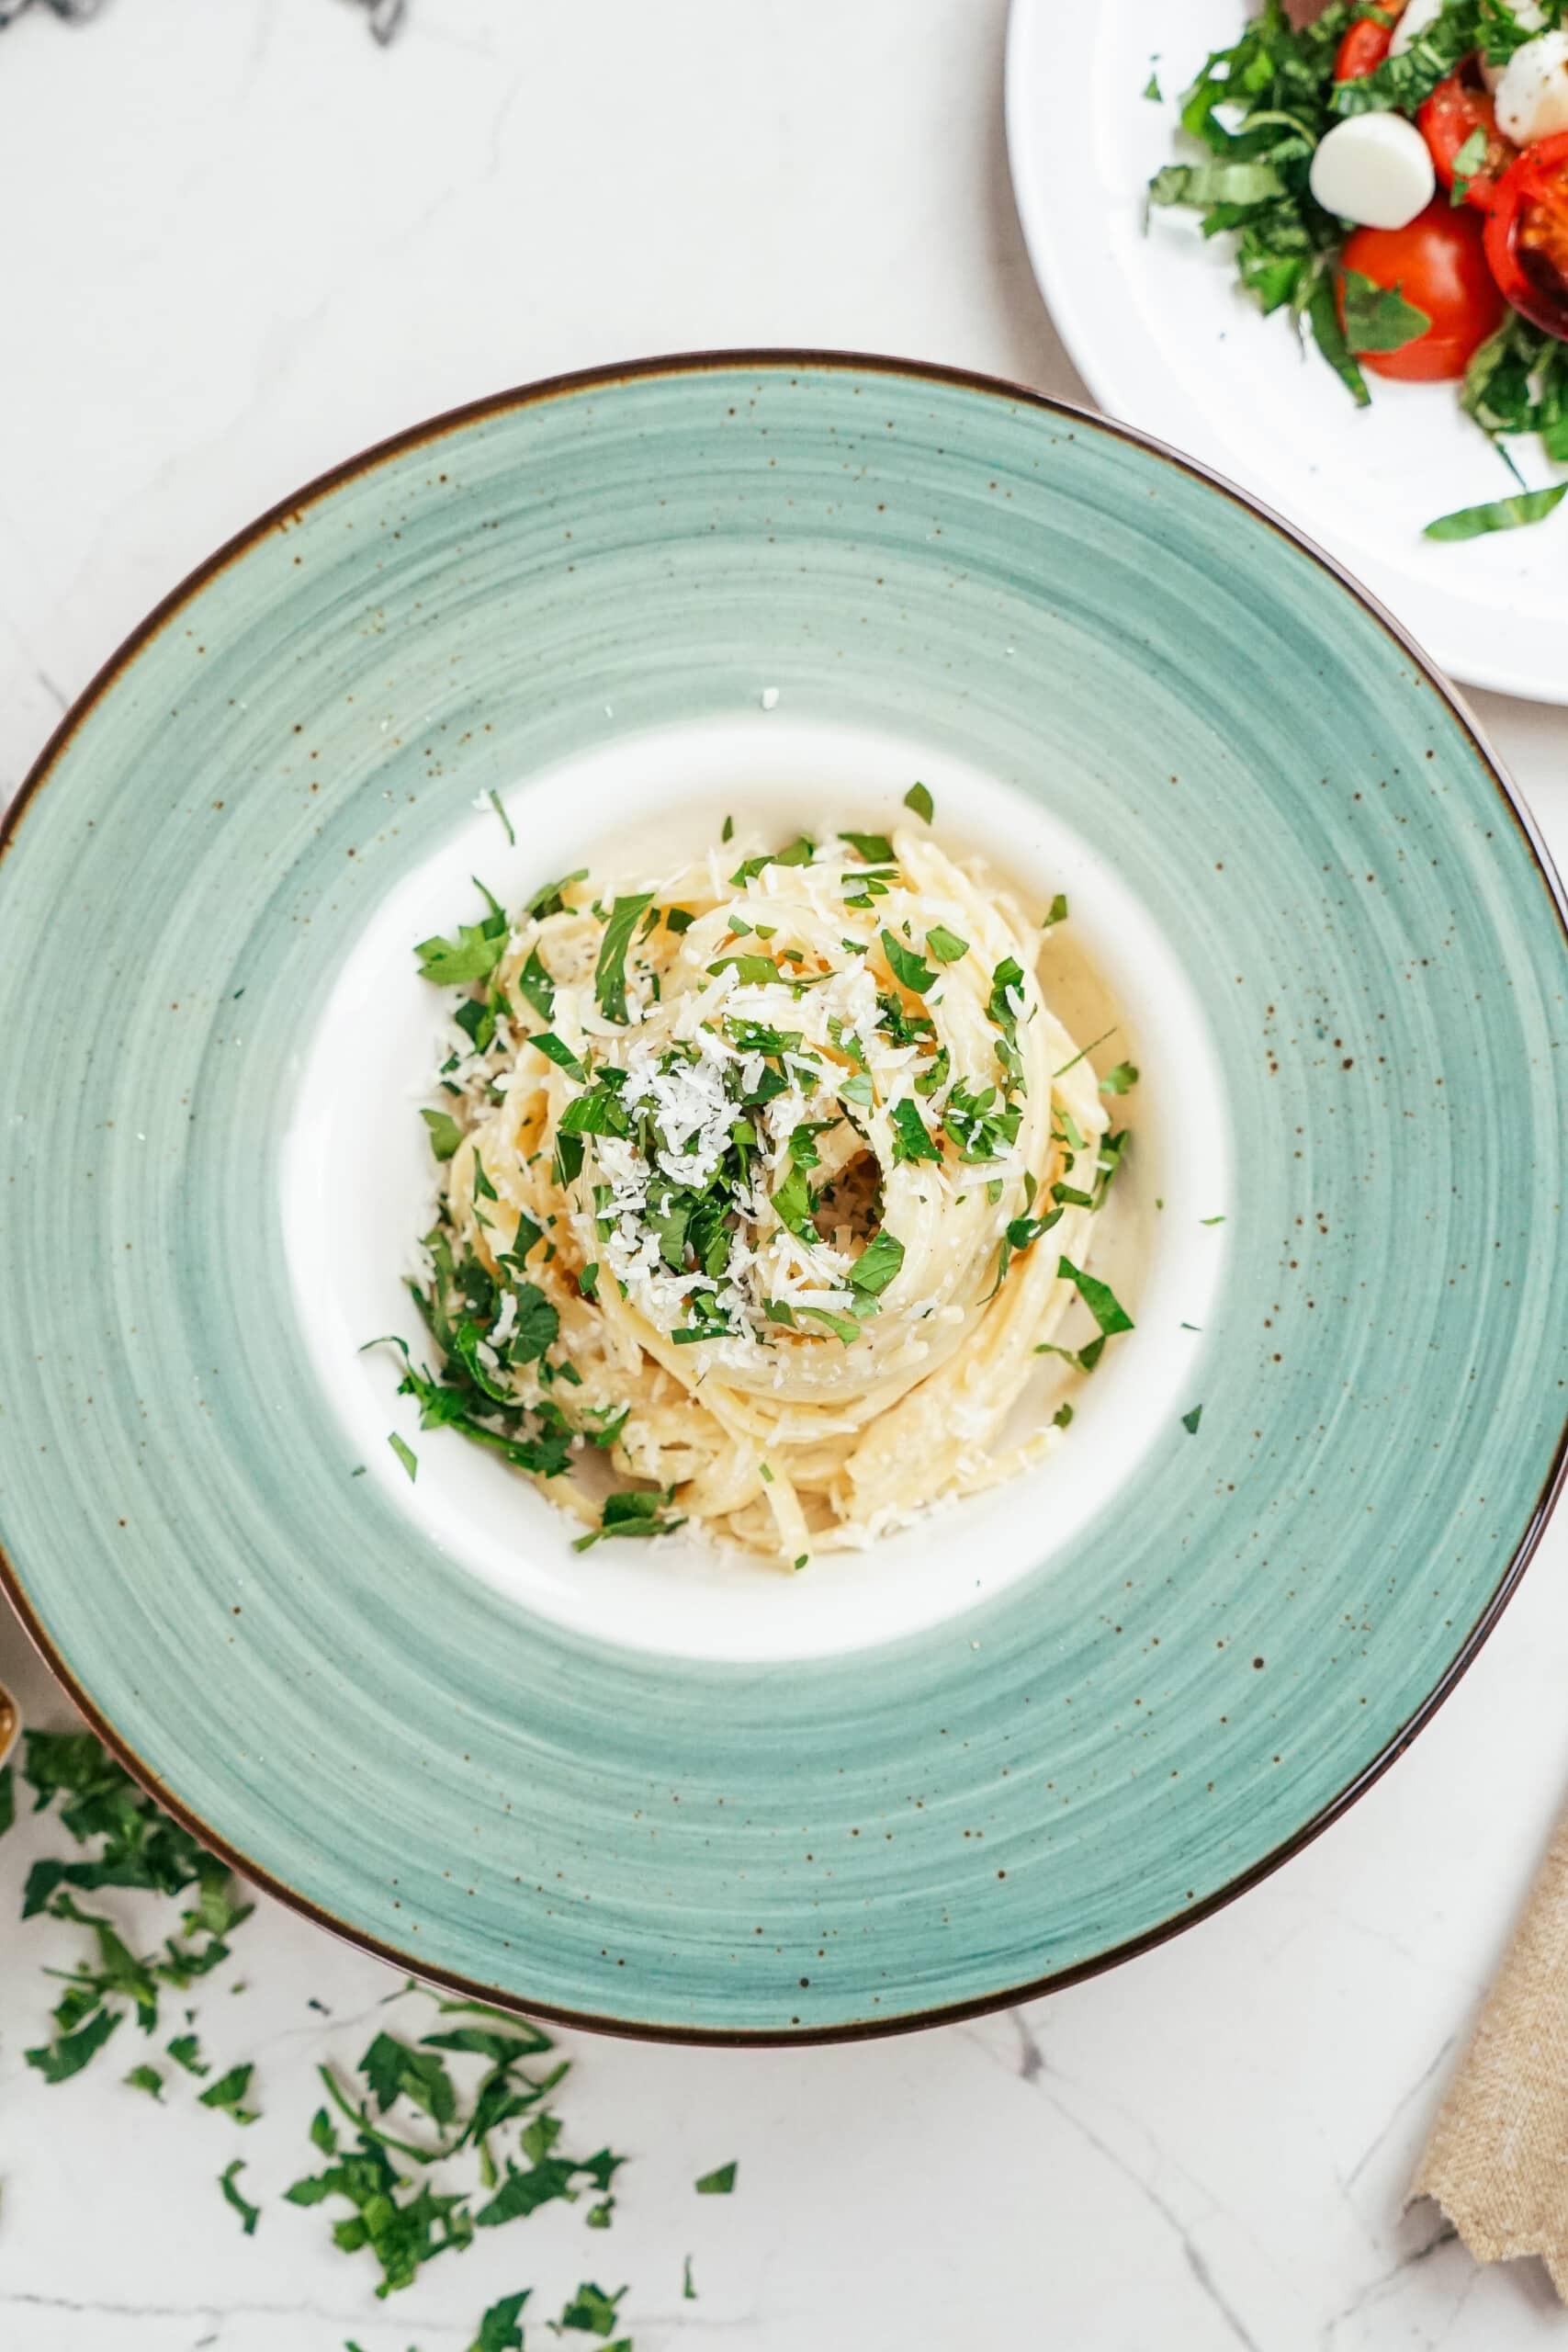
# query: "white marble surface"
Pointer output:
{"type": "Point", "coordinates": [242, 241]}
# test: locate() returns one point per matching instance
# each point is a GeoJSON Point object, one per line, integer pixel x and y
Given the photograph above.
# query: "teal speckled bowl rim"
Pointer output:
{"type": "Point", "coordinates": [918, 372]}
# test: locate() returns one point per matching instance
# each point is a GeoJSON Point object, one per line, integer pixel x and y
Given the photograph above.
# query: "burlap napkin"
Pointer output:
{"type": "Point", "coordinates": [1497, 2159]}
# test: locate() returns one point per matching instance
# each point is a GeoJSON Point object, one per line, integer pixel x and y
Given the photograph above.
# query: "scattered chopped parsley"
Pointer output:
{"type": "Point", "coordinates": [551, 900]}
{"type": "Point", "coordinates": [496, 803]}
{"type": "Point", "coordinates": [1121, 1079]}
{"type": "Point", "coordinates": [555, 1049]}
{"type": "Point", "coordinates": [719, 2182]}
{"type": "Point", "coordinates": [877, 1264]}
{"type": "Point", "coordinates": [920, 800]}
{"type": "Point", "coordinates": [688, 2291]}
{"type": "Point", "coordinates": [227, 2181]}
{"type": "Point", "coordinates": [1151, 89]}
{"type": "Point", "coordinates": [229, 2092]}
{"type": "Point", "coordinates": [405, 1454]}
{"type": "Point", "coordinates": [610, 972]}
{"type": "Point", "coordinates": [147, 2080]}
{"type": "Point", "coordinates": [445, 1135]}
{"type": "Point", "coordinates": [751, 971]}
{"type": "Point", "coordinates": [1189, 1421]}
{"type": "Point", "coordinates": [1062, 1418]}
{"type": "Point", "coordinates": [907, 968]}
{"type": "Point", "coordinates": [500, 2330]}
{"type": "Point", "coordinates": [633, 1512]}
{"type": "Point", "coordinates": [1098, 1297]}
{"type": "Point", "coordinates": [876, 848]}
{"type": "Point", "coordinates": [1056, 911]}
{"type": "Point", "coordinates": [591, 2310]}
{"type": "Point", "coordinates": [945, 944]}
{"type": "Point", "coordinates": [678, 920]}
{"type": "Point", "coordinates": [185, 2051]}
{"type": "Point", "coordinates": [537, 986]}
{"type": "Point", "coordinates": [912, 1141]}
{"type": "Point", "coordinates": [728, 833]}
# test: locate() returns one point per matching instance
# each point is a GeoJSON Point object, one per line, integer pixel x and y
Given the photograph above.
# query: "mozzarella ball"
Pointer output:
{"type": "Point", "coordinates": [1532, 96]}
{"type": "Point", "coordinates": [1374, 169]}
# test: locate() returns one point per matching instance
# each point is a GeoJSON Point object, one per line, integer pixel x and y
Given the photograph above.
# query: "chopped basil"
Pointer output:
{"type": "Point", "coordinates": [610, 972]}
{"type": "Point", "coordinates": [1512, 513]}
{"type": "Point", "coordinates": [405, 1454]}
{"type": "Point", "coordinates": [906, 966]}
{"type": "Point", "coordinates": [920, 800]}
{"type": "Point", "coordinates": [1469, 159]}
{"type": "Point", "coordinates": [945, 944]}
{"type": "Point", "coordinates": [445, 1135]}
{"type": "Point", "coordinates": [1378, 318]}
{"type": "Point", "coordinates": [1098, 1296]}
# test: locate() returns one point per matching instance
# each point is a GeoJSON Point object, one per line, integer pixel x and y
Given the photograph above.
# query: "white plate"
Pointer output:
{"type": "Point", "coordinates": [1165, 337]}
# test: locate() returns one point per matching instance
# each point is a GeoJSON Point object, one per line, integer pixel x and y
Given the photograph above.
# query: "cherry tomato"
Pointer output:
{"type": "Point", "coordinates": [1527, 234]}
{"type": "Point", "coordinates": [1438, 264]}
{"type": "Point", "coordinates": [1365, 46]}
{"type": "Point", "coordinates": [1456, 110]}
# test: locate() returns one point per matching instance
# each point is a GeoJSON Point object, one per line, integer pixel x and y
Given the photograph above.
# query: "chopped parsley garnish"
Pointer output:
{"type": "Point", "coordinates": [1189, 1421]}
{"type": "Point", "coordinates": [591, 2310]}
{"type": "Point", "coordinates": [633, 1512]}
{"type": "Point", "coordinates": [551, 900]}
{"type": "Point", "coordinates": [227, 2094]}
{"type": "Point", "coordinates": [497, 804]}
{"type": "Point", "coordinates": [719, 2182]}
{"type": "Point", "coordinates": [904, 1027]}
{"type": "Point", "coordinates": [537, 986]}
{"type": "Point", "coordinates": [920, 800]}
{"type": "Point", "coordinates": [227, 2181]}
{"type": "Point", "coordinates": [799, 853]}
{"type": "Point", "coordinates": [1098, 1297]}
{"type": "Point", "coordinates": [842, 1326]}
{"type": "Point", "coordinates": [981, 1131]}
{"type": "Point", "coordinates": [876, 848]}
{"type": "Point", "coordinates": [728, 833]}
{"type": "Point", "coordinates": [555, 1049]}
{"type": "Point", "coordinates": [1152, 90]}
{"type": "Point", "coordinates": [1062, 1418]}
{"type": "Point", "coordinates": [405, 1454]}
{"type": "Point", "coordinates": [1056, 911]}
{"type": "Point", "coordinates": [1119, 1079]}
{"type": "Point", "coordinates": [678, 920]}
{"type": "Point", "coordinates": [500, 2329]}
{"type": "Point", "coordinates": [792, 1198]}
{"type": "Point", "coordinates": [877, 1264]}
{"type": "Point", "coordinates": [610, 972]}
{"type": "Point", "coordinates": [945, 944]}
{"type": "Point", "coordinates": [472, 955]}
{"type": "Point", "coordinates": [912, 1141]}
{"type": "Point", "coordinates": [907, 966]}
{"type": "Point", "coordinates": [751, 971]}
{"type": "Point", "coordinates": [147, 2080]}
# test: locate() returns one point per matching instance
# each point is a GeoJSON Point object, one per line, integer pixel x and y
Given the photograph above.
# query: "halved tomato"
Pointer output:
{"type": "Point", "coordinates": [1365, 46]}
{"type": "Point", "coordinates": [1458, 108]}
{"type": "Point", "coordinates": [1527, 234]}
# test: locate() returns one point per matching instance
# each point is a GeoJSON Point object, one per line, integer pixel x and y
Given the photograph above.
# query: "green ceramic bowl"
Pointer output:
{"type": "Point", "coordinates": [1045, 1732]}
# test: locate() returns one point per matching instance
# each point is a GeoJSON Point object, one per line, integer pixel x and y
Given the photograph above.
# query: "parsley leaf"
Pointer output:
{"type": "Point", "coordinates": [551, 900]}
{"type": "Point", "coordinates": [499, 2329]}
{"type": "Point", "coordinates": [59, 2060]}
{"type": "Point", "coordinates": [751, 971]}
{"type": "Point", "coordinates": [1056, 911]}
{"type": "Point", "coordinates": [945, 944]}
{"type": "Point", "coordinates": [1189, 1421]}
{"type": "Point", "coordinates": [227, 2094]}
{"type": "Point", "coordinates": [630, 1512]}
{"type": "Point", "coordinates": [591, 2310]}
{"type": "Point", "coordinates": [920, 800]}
{"type": "Point", "coordinates": [719, 2182]}
{"type": "Point", "coordinates": [1119, 1079]}
{"type": "Point", "coordinates": [147, 2080]}
{"type": "Point", "coordinates": [228, 2180]}
{"type": "Point", "coordinates": [555, 1049]}
{"type": "Point", "coordinates": [396, 2070]}
{"type": "Point", "coordinates": [610, 972]}
{"type": "Point", "coordinates": [537, 986]}
{"type": "Point", "coordinates": [445, 1135]}
{"type": "Point", "coordinates": [876, 848]}
{"type": "Point", "coordinates": [405, 1454]}
{"type": "Point", "coordinates": [906, 966]}
{"type": "Point", "coordinates": [877, 1264]}
{"type": "Point", "coordinates": [1098, 1296]}
{"type": "Point", "coordinates": [912, 1138]}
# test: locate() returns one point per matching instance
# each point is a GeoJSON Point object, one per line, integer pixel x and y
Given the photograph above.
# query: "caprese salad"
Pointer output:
{"type": "Point", "coordinates": [1395, 176]}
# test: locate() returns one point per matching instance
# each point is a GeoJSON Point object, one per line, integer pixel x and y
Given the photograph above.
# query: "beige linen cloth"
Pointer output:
{"type": "Point", "coordinates": [1497, 2159]}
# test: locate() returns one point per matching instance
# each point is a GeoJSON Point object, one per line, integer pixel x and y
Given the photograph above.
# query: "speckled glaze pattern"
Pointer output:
{"type": "Point", "coordinates": [1265, 1610]}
